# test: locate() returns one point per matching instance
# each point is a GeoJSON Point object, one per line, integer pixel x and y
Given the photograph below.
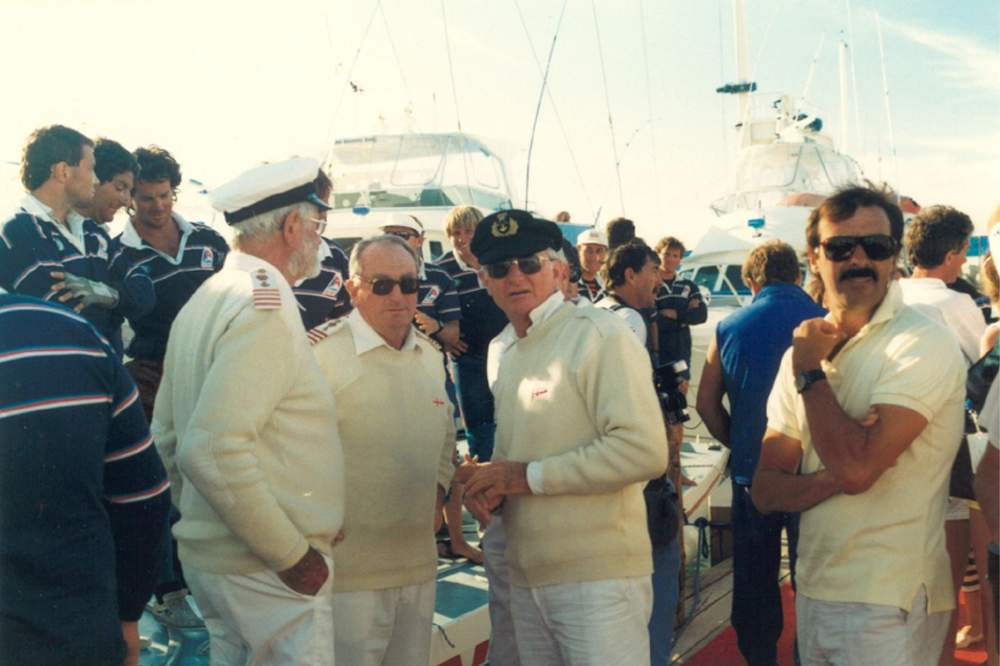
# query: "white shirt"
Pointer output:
{"type": "Point", "coordinates": [989, 418]}
{"type": "Point", "coordinates": [631, 316]}
{"type": "Point", "coordinates": [367, 338]}
{"type": "Point", "coordinates": [955, 311]}
{"type": "Point", "coordinates": [72, 230]}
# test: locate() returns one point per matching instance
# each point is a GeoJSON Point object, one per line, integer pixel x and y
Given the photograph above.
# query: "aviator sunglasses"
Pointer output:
{"type": "Point", "coordinates": [408, 284]}
{"type": "Point", "coordinates": [877, 246]}
{"type": "Point", "coordinates": [528, 265]}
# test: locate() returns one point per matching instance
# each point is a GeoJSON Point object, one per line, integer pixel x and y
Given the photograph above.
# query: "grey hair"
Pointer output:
{"type": "Point", "coordinates": [261, 226]}
{"type": "Point", "coordinates": [385, 239]}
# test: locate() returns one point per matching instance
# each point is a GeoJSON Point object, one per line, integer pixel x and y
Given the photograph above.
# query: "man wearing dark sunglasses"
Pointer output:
{"type": "Point", "coordinates": [567, 552]}
{"type": "Point", "coordinates": [397, 462]}
{"type": "Point", "coordinates": [873, 580]}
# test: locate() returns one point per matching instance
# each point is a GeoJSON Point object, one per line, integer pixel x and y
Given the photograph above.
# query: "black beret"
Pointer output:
{"type": "Point", "coordinates": [508, 234]}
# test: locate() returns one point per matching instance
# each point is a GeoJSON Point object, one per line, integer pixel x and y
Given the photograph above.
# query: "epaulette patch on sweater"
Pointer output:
{"type": "Point", "coordinates": [324, 330]}
{"type": "Point", "coordinates": [265, 292]}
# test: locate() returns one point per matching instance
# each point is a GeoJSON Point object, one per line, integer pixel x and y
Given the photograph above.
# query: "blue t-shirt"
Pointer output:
{"type": "Point", "coordinates": [751, 342]}
{"type": "Point", "coordinates": [324, 297]}
{"type": "Point", "coordinates": [83, 494]}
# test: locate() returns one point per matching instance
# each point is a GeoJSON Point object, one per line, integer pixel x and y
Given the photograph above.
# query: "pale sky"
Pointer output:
{"type": "Point", "coordinates": [224, 85]}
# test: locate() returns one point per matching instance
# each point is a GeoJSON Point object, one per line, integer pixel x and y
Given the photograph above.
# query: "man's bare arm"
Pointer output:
{"type": "Point", "coordinates": [710, 391]}
{"type": "Point", "coordinates": [987, 485]}
{"type": "Point", "coordinates": [776, 485]}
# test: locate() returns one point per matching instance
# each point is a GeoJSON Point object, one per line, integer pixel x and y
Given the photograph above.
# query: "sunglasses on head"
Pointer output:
{"type": "Point", "coordinates": [408, 284]}
{"type": "Point", "coordinates": [877, 246]}
{"type": "Point", "coordinates": [405, 235]}
{"type": "Point", "coordinates": [528, 265]}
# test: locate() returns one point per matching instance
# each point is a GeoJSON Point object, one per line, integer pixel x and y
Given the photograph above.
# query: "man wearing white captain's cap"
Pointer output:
{"type": "Point", "coordinates": [247, 429]}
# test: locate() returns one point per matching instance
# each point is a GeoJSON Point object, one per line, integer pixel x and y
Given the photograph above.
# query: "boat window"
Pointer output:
{"type": "Point", "coordinates": [436, 249]}
{"type": "Point", "coordinates": [706, 277]}
{"type": "Point", "coordinates": [735, 280]}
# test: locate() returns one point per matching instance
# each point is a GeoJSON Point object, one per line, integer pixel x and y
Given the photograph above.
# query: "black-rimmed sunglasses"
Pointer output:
{"type": "Point", "coordinates": [877, 246]}
{"type": "Point", "coordinates": [528, 265]}
{"type": "Point", "coordinates": [384, 286]}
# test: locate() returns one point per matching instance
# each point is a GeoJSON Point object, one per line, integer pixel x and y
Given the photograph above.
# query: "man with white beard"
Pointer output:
{"type": "Point", "coordinates": [246, 426]}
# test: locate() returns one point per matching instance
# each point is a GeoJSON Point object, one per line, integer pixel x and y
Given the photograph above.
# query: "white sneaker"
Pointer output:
{"type": "Point", "coordinates": [175, 611]}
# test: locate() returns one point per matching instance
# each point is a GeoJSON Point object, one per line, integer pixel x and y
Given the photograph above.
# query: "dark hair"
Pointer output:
{"type": "Point", "coordinates": [111, 159]}
{"type": "Point", "coordinates": [562, 216]}
{"type": "Point", "coordinates": [934, 232]}
{"type": "Point", "coordinates": [46, 147]}
{"type": "Point", "coordinates": [156, 164]}
{"type": "Point", "coordinates": [772, 261]}
{"type": "Point", "coordinates": [670, 243]}
{"type": "Point", "coordinates": [572, 258]}
{"type": "Point", "coordinates": [633, 254]}
{"type": "Point", "coordinates": [324, 186]}
{"type": "Point", "coordinates": [845, 202]}
{"type": "Point", "coordinates": [620, 230]}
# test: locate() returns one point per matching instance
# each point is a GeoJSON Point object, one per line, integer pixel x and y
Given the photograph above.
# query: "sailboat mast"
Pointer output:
{"type": "Point", "coordinates": [842, 67]}
{"type": "Point", "coordinates": [742, 58]}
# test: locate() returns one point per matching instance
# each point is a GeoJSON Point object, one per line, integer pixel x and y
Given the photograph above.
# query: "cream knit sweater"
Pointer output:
{"type": "Point", "coordinates": [576, 393]}
{"type": "Point", "coordinates": [246, 428]}
{"type": "Point", "coordinates": [398, 433]}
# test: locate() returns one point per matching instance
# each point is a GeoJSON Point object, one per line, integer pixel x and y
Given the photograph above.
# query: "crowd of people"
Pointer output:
{"type": "Point", "coordinates": [277, 438]}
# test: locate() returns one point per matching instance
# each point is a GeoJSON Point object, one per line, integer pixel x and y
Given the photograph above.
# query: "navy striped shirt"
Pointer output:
{"type": "Point", "coordinates": [482, 320]}
{"type": "Point", "coordinates": [200, 254]}
{"type": "Point", "coordinates": [324, 297]}
{"type": "Point", "coordinates": [83, 494]}
{"type": "Point", "coordinates": [33, 245]}
{"type": "Point", "coordinates": [675, 334]}
{"type": "Point", "coordinates": [437, 297]}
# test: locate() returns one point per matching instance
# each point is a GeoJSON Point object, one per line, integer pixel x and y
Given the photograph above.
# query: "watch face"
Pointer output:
{"type": "Point", "coordinates": [801, 381]}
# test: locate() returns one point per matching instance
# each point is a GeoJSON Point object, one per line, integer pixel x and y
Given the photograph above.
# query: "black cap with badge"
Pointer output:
{"type": "Point", "coordinates": [509, 234]}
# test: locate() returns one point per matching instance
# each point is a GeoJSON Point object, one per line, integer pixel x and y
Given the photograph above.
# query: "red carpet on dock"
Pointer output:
{"type": "Point", "coordinates": [722, 650]}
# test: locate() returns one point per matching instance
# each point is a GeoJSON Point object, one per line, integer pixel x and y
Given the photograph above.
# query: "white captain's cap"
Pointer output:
{"type": "Point", "coordinates": [401, 220]}
{"type": "Point", "coordinates": [269, 187]}
{"type": "Point", "coordinates": [592, 237]}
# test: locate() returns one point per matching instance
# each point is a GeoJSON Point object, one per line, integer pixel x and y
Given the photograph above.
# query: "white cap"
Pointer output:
{"type": "Point", "coordinates": [592, 237]}
{"type": "Point", "coordinates": [268, 187]}
{"type": "Point", "coordinates": [401, 220]}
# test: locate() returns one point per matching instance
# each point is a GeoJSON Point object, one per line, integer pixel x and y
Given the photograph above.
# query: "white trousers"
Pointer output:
{"type": "Point", "coordinates": [857, 634]}
{"type": "Point", "coordinates": [597, 623]}
{"type": "Point", "coordinates": [503, 644]}
{"type": "Point", "coordinates": [390, 627]}
{"type": "Point", "coordinates": [256, 620]}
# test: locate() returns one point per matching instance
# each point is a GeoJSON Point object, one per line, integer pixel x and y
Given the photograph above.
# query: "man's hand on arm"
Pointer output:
{"type": "Point", "coordinates": [776, 485]}
{"type": "Point", "coordinates": [86, 292]}
{"type": "Point", "coordinates": [856, 454]}
{"type": "Point", "coordinates": [307, 575]}
{"type": "Point", "coordinates": [491, 482]}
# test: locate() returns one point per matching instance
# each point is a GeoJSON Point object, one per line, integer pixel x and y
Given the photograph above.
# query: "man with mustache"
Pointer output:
{"type": "Point", "coordinates": [872, 574]}
{"type": "Point", "coordinates": [247, 429]}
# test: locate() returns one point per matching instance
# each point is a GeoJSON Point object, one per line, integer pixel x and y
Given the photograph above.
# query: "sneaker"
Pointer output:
{"type": "Point", "coordinates": [175, 611]}
{"type": "Point", "coordinates": [964, 638]}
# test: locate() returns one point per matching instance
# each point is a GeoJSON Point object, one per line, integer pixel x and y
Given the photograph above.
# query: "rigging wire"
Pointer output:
{"type": "Point", "coordinates": [888, 109]}
{"type": "Point", "coordinates": [538, 107]}
{"type": "Point", "coordinates": [854, 83]}
{"type": "Point", "coordinates": [555, 111]}
{"type": "Point", "coordinates": [649, 107]}
{"type": "Point", "coordinates": [607, 101]}
{"type": "Point", "coordinates": [395, 56]}
{"type": "Point", "coordinates": [722, 105]}
{"type": "Point", "coordinates": [454, 95]}
{"type": "Point", "coordinates": [347, 82]}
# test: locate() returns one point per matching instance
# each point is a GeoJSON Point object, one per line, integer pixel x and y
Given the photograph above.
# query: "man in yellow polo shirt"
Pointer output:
{"type": "Point", "coordinates": [872, 574]}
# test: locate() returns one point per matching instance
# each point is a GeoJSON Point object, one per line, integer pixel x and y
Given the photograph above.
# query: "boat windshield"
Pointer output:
{"type": "Point", "coordinates": [767, 174]}
{"type": "Point", "coordinates": [407, 170]}
{"type": "Point", "coordinates": [718, 280]}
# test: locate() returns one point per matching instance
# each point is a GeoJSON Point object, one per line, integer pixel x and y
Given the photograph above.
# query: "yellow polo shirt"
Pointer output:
{"type": "Point", "coordinates": [880, 546]}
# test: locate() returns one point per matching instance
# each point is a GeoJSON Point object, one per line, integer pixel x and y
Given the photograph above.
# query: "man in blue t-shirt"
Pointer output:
{"type": "Point", "coordinates": [742, 362]}
{"type": "Point", "coordinates": [83, 494]}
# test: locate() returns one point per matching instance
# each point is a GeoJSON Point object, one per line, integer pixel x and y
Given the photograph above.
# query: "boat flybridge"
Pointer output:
{"type": "Point", "coordinates": [784, 168]}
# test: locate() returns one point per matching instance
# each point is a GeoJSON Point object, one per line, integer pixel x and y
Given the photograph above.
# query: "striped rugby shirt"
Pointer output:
{"type": "Point", "coordinates": [200, 254]}
{"type": "Point", "coordinates": [437, 297]}
{"type": "Point", "coordinates": [324, 297]}
{"type": "Point", "coordinates": [33, 245]}
{"type": "Point", "coordinates": [482, 320]}
{"type": "Point", "coordinates": [675, 334]}
{"type": "Point", "coordinates": [83, 494]}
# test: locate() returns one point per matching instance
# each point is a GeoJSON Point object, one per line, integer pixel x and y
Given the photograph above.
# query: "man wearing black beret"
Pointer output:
{"type": "Point", "coordinates": [574, 443]}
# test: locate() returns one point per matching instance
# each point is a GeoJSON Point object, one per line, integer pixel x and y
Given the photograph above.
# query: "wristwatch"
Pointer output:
{"type": "Point", "coordinates": [804, 380]}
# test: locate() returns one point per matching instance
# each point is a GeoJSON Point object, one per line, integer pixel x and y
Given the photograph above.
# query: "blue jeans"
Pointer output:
{"type": "Point", "coordinates": [666, 567]}
{"type": "Point", "coordinates": [477, 405]}
{"type": "Point", "coordinates": [756, 614]}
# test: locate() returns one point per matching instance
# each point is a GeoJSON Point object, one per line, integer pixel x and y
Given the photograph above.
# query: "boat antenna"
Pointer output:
{"type": "Point", "coordinates": [842, 71]}
{"type": "Point", "coordinates": [607, 101]}
{"type": "Point", "coordinates": [555, 111]}
{"type": "Point", "coordinates": [454, 94]}
{"type": "Point", "coordinates": [854, 82]}
{"type": "Point", "coordinates": [888, 108]}
{"type": "Point", "coordinates": [649, 110]}
{"type": "Point", "coordinates": [347, 84]}
{"type": "Point", "coordinates": [538, 107]}
{"type": "Point", "coordinates": [812, 71]}
{"type": "Point", "coordinates": [399, 64]}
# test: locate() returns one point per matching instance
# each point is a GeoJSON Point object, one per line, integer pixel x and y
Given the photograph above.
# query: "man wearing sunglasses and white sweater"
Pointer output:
{"type": "Point", "coordinates": [398, 433]}
{"type": "Point", "coordinates": [864, 420]}
{"type": "Point", "coordinates": [578, 432]}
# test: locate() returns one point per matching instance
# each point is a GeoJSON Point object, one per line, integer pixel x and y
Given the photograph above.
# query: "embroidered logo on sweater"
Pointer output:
{"type": "Point", "coordinates": [437, 402]}
{"type": "Point", "coordinates": [265, 292]}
